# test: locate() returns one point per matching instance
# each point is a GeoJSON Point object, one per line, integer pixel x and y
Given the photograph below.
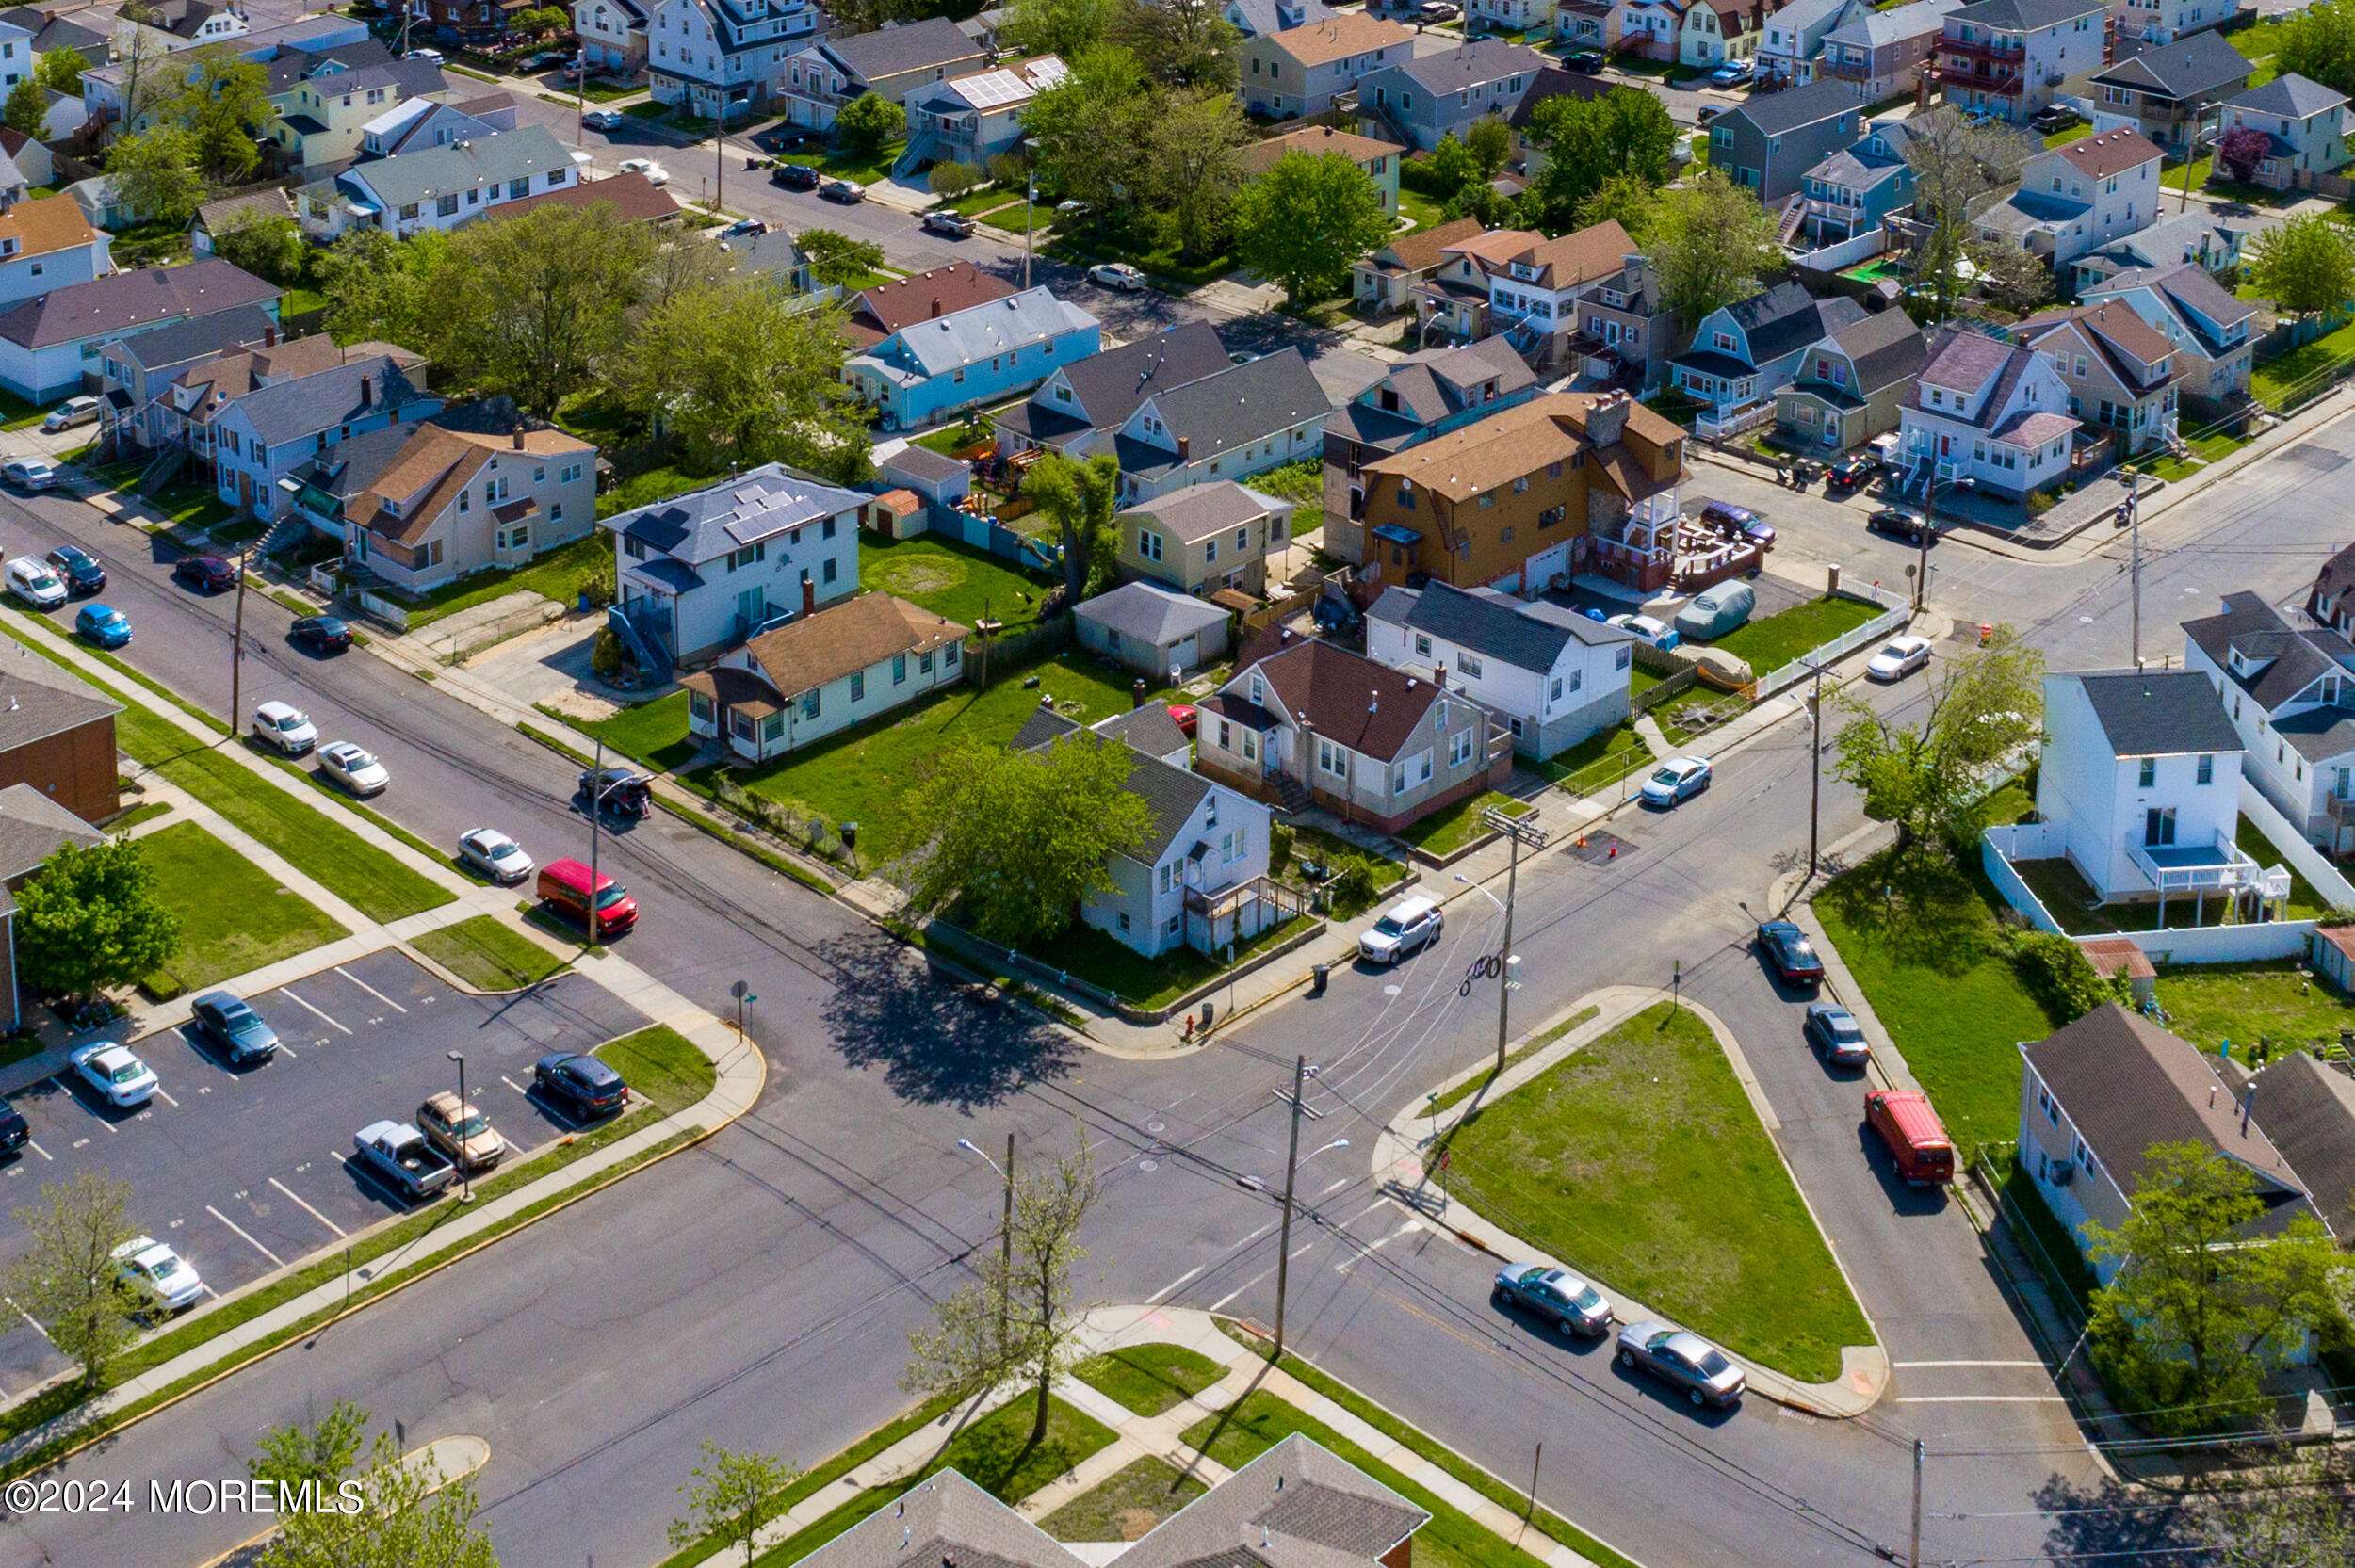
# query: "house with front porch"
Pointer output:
{"type": "Point", "coordinates": [821, 672]}
{"type": "Point", "coordinates": [1648, 29]}
{"type": "Point", "coordinates": [2304, 126]}
{"type": "Point", "coordinates": [2078, 197]}
{"type": "Point", "coordinates": [2207, 324]}
{"type": "Point", "coordinates": [1626, 332]}
{"type": "Point", "coordinates": [470, 490]}
{"type": "Point", "coordinates": [2120, 372]}
{"type": "Point", "coordinates": [895, 61]}
{"type": "Point", "coordinates": [1767, 143]}
{"type": "Point", "coordinates": [1521, 286]}
{"type": "Point", "coordinates": [1852, 190]}
{"type": "Point", "coordinates": [2289, 691]}
{"type": "Point", "coordinates": [1385, 280]}
{"type": "Point", "coordinates": [1743, 354]}
{"type": "Point", "coordinates": [1082, 409]}
{"type": "Point", "coordinates": [259, 437]}
{"type": "Point", "coordinates": [2172, 94]}
{"type": "Point", "coordinates": [1794, 37]}
{"type": "Point", "coordinates": [1884, 53]}
{"type": "Point", "coordinates": [2008, 58]}
{"type": "Point", "coordinates": [1850, 384]}
{"type": "Point", "coordinates": [973, 118]}
{"type": "Point", "coordinates": [612, 35]}
{"type": "Point", "coordinates": [1418, 397]}
{"type": "Point", "coordinates": [725, 57]}
{"type": "Point", "coordinates": [1992, 413]}
{"type": "Point", "coordinates": [51, 341]}
{"type": "Point", "coordinates": [1420, 99]}
{"type": "Point", "coordinates": [2138, 26]}
{"type": "Point", "coordinates": [1717, 32]}
{"type": "Point", "coordinates": [1586, 25]}
{"type": "Point", "coordinates": [1298, 72]}
{"type": "Point", "coordinates": [1553, 675]}
{"type": "Point", "coordinates": [944, 364]}
{"type": "Point", "coordinates": [435, 188]}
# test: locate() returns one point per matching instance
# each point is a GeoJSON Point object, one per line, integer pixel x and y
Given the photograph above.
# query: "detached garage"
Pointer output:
{"type": "Point", "coordinates": [1152, 630]}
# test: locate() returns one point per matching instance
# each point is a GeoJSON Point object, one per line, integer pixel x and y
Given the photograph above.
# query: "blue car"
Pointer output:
{"type": "Point", "coordinates": [104, 624]}
{"type": "Point", "coordinates": [1677, 779]}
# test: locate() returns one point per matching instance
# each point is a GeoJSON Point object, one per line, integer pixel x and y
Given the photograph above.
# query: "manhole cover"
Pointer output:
{"type": "Point", "coordinates": [1596, 849]}
{"type": "Point", "coordinates": [1153, 1126]}
{"type": "Point", "coordinates": [1149, 1165]}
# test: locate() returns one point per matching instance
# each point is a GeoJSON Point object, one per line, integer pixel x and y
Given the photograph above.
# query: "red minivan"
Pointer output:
{"type": "Point", "coordinates": [564, 886]}
{"type": "Point", "coordinates": [1917, 1141]}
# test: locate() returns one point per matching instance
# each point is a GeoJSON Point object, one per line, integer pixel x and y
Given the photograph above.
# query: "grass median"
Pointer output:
{"type": "Point", "coordinates": [489, 956]}
{"type": "Point", "coordinates": [1149, 1378]}
{"type": "Point", "coordinates": [660, 1065]}
{"type": "Point", "coordinates": [198, 877]}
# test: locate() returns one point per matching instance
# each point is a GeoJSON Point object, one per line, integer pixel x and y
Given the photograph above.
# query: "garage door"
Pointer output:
{"type": "Point", "coordinates": [1188, 653]}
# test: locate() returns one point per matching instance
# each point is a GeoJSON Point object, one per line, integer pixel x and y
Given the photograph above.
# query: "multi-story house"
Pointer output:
{"type": "Point", "coordinates": [1553, 675]}
{"type": "Point", "coordinates": [16, 53]}
{"type": "Point", "coordinates": [135, 372]}
{"type": "Point", "coordinates": [1515, 499]}
{"type": "Point", "coordinates": [1238, 421]}
{"type": "Point", "coordinates": [2007, 58]}
{"type": "Point", "coordinates": [1742, 354]}
{"type": "Point", "coordinates": [1794, 37]}
{"type": "Point", "coordinates": [1880, 54]}
{"type": "Point", "coordinates": [1386, 279]}
{"type": "Point", "coordinates": [612, 35]}
{"type": "Point", "coordinates": [1258, 18]}
{"type": "Point", "coordinates": [1418, 397]}
{"type": "Point", "coordinates": [1648, 30]}
{"type": "Point", "coordinates": [1625, 331]}
{"type": "Point", "coordinates": [186, 405]}
{"type": "Point", "coordinates": [1297, 73]}
{"type": "Point", "coordinates": [51, 342]}
{"type": "Point", "coordinates": [1418, 100]}
{"type": "Point", "coordinates": [2304, 126]}
{"type": "Point", "coordinates": [1507, 16]}
{"type": "Point", "coordinates": [973, 118]}
{"type": "Point", "coordinates": [895, 61]}
{"type": "Point", "coordinates": [321, 115]}
{"type": "Point", "coordinates": [944, 364]}
{"type": "Point", "coordinates": [2290, 693]}
{"type": "Point", "coordinates": [52, 30]}
{"type": "Point", "coordinates": [701, 572]}
{"type": "Point", "coordinates": [1852, 190]}
{"type": "Point", "coordinates": [1768, 142]}
{"type": "Point", "coordinates": [2121, 371]}
{"type": "Point", "coordinates": [170, 26]}
{"type": "Point", "coordinates": [472, 490]}
{"type": "Point", "coordinates": [1849, 384]}
{"type": "Point", "coordinates": [2197, 236]}
{"type": "Point", "coordinates": [1380, 160]}
{"type": "Point", "coordinates": [435, 188]}
{"type": "Point", "coordinates": [1714, 32]}
{"type": "Point", "coordinates": [1203, 539]}
{"type": "Point", "coordinates": [1520, 285]}
{"type": "Point", "coordinates": [2077, 198]}
{"type": "Point", "coordinates": [730, 57]}
{"type": "Point", "coordinates": [1082, 408]}
{"type": "Point", "coordinates": [47, 243]}
{"type": "Point", "coordinates": [1586, 23]}
{"type": "Point", "coordinates": [261, 436]}
{"type": "Point", "coordinates": [1310, 723]}
{"type": "Point", "coordinates": [820, 673]}
{"type": "Point", "coordinates": [2206, 324]}
{"type": "Point", "coordinates": [2173, 93]}
{"type": "Point", "coordinates": [1987, 410]}
{"type": "Point", "coordinates": [2137, 25]}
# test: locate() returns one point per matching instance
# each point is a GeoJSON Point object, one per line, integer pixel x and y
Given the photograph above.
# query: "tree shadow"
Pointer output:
{"type": "Point", "coordinates": [945, 1044]}
{"type": "Point", "coordinates": [1922, 908]}
{"type": "Point", "coordinates": [2107, 1520]}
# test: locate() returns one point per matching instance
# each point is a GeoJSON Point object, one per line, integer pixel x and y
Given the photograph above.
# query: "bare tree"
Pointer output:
{"type": "Point", "coordinates": [67, 1279]}
{"type": "Point", "coordinates": [2291, 1515]}
{"type": "Point", "coordinates": [1958, 168]}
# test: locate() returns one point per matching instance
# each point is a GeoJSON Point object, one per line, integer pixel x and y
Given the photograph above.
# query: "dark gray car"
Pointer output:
{"type": "Point", "coordinates": [1556, 1295]}
{"type": "Point", "coordinates": [235, 1026]}
{"type": "Point", "coordinates": [1837, 1036]}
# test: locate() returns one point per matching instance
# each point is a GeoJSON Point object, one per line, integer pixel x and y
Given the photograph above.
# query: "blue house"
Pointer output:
{"type": "Point", "coordinates": [929, 369]}
{"type": "Point", "coordinates": [1743, 353]}
{"type": "Point", "coordinates": [1851, 191]}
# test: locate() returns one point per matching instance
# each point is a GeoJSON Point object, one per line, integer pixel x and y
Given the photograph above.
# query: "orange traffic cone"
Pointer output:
{"type": "Point", "coordinates": [1613, 854]}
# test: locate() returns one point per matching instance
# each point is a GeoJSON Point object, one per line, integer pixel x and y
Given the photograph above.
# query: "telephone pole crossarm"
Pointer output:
{"type": "Point", "coordinates": [1523, 834]}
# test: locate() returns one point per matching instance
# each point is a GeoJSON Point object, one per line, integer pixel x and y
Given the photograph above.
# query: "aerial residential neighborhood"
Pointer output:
{"type": "Point", "coordinates": [1538, 784]}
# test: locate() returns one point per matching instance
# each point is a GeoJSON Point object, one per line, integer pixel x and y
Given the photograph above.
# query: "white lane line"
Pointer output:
{"type": "Point", "coordinates": [249, 1241]}
{"type": "Point", "coordinates": [1155, 1298]}
{"type": "Point", "coordinates": [1986, 1400]}
{"type": "Point", "coordinates": [284, 1052]}
{"type": "Point", "coordinates": [307, 1208]}
{"type": "Point", "coordinates": [34, 1144]}
{"type": "Point", "coordinates": [513, 1085]}
{"type": "Point", "coordinates": [1901, 1364]}
{"type": "Point", "coordinates": [29, 1317]}
{"type": "Point", "coordinates": [306, 1006]}
{"type": "Point", "coordinates": [369, 989]}
{"type": "Point", "coordinates": [166, 1099]}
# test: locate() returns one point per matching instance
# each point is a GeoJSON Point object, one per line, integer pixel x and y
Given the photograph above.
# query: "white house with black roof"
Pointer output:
{"type": "Point", "coordinates": [723, 57]}
{"type": "Point", "coordinates": [1238, 421]}
{"type": "Point", "coordinates": [895, 61]}
{"type": "Point", "coordinates": [2304, 125]}
{"type": "Point", "coordinates": [2290, 693]}
{"type": "Point", "coordinates": [1551, 674]}
{"type": "Point", "coordinates": [1742, 354]}
{"type": "Point", "coordinates": [2171, 94]}
{"type": "Point", "coordinates": [435, 188]}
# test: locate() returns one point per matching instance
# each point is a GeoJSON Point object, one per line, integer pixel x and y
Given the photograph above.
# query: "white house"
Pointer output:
{"type": "Point", "coordinates": [2008, 58]}
{"type": "Point", "coordinates": [821, 672]}
{"type": "Point", "coordinates": [2140, 25]}
{"type": "Point", "coordinates": [2140, 779]}
{"type": "Point", "coordinates": [2304, 125]}
{"type": "Point", "coordinates": [2078, 198]}
{"type": "Point", "coordinates": [50, 341]}
{"type": "Point", "coordinates": [16, 53]}
{"type": "Point", "coordinates": [435, 188]}
{"type": "Point", "coordinates": [1986, 410]}
{"type": "Point", "coordinates": [705, 571]}
{"type": "Point", "coordinates": [612, 35]}
{"type": "Point", "coordinates": [48, 243]}
{"type": "Point", "coordinates": [170, 26]}
{"type": "Point", "coordinates": [1552, 676]}
{"type": "Point", "coordinates": [2290, 692]}
{"type": "Point", "coordinates": [1794, 36]}
{"type": "Point", "coordinates": [1239, 421]}
{"type": "Point", "coordinates": [714, 55]}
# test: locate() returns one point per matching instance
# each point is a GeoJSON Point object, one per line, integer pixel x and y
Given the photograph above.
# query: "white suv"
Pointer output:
{"type": "Point", "coordinates": [1405, 927]}
{"type": "Point", "coordinates": [31, 580]}
{"type": "Point", "coordinates": [285, 727]}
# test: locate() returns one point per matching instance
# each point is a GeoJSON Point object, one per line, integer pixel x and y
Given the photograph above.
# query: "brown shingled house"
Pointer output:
{"type": "Point", "coordinates": [879, 311]}
{"type": "Point", "coordinates": [821, 672]}
{"type": "Point", "coordinates": [463, 491]}
{"type": "Point", "coordinates": [1385, 281]}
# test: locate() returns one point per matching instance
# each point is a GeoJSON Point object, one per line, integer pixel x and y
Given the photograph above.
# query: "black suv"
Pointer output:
{"type": "Point", "coordinates": [795, 176]}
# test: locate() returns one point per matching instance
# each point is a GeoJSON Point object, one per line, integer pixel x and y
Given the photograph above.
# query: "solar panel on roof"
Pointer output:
{"type": "Point", "coordinates": [991, 88]}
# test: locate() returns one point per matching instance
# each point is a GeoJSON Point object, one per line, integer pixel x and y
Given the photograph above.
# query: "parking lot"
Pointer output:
{"type": "Point", "coordinates": [243, 1170]}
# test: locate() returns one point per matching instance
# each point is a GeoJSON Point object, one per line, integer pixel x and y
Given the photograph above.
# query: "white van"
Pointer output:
{"type": "Point", "coordinates": [1405, 927]}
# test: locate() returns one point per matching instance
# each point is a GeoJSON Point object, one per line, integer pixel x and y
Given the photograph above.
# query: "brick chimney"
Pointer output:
{"type": "Point", "coordinates": [936, 310]}
{"type": "Point", "coordinates": [1185, 448]}
{"type": "Point", "coordinates": [809, 594]}
{"type": "Point", "coordinates": [367, 392]}
{"type": "Point", "coordinates": [1606, 420]}
{"type": "Point", "coordinates": [516, 438]}
{"type": "Point", "coordinates": [270, 335]}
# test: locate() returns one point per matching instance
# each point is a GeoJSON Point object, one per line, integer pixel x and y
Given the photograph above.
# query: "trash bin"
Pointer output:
{"type": "Point", "coordinates": [1209, 1010]}
{"type": "Point", "coordinates": [1316, 980]}
{"type": "Point", "coordinates": [850, 834]}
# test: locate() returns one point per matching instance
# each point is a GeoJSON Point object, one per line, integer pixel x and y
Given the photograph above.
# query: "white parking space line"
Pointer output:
{"type": "Point", "coordinates": [307, 1208]}
{"type": "Point", "coordinates": [513, 1085]}
{"type": "Point", "coordinates": [30, 1318]}
{"type": "Point", "coordinates": [1986, 1400]}
{"type": "Point", "coordinates": [241, 1232]}
{"type": "Point", "coordinates": [287, 1054]}
{"type": "Point", "coordinates": [166, 1099]}
{"type": "Point", "coordinates": [369, 989]}
{"type": "Point", "coordinates": [34, 1144]}
{"type": "Point", "coordinates": [1901, 1365]}
{"type": "Point", "coordinates": [306, 1006]}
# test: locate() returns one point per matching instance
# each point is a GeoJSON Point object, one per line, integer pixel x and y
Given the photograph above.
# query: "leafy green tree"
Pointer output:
{"type": "Point", "coordinates": [61, 71]}
{"type": "Point", "coordinates": [1629, 200]}
{"type": "Point", "coordinates": [1181, 43]}
{"type": "Point", "coordinates": [869, 121]}
{"type": "Point", "coordinates": [1451, 167]}
{"type": "Point", "coordinates": [730, 1497]}
{"type": "Point", "coordinates": [27, 108]}
{"type": "Point", "coordinates": [951, 179]}
{"type": "Point", "coordinates": [1193, 165]}
{"type": "Point", "coordinates": [1056, 26]}
{"type": "Point", "coordinates": [2197, 1313]}
{"type": "Point", "coordinates": [2306, 265]}
{"type": "Point", "coordinates": [536, 306]}
{"type": "Point", "coordinates": [408, 1515]}
{"type": "Point", "coordinates": [1584, 143]}
{"type": "Point", "coordinates": [1490, 143]}
{"type": "Point", "coordinates": [268, 245]}
{"type": "Point", "coordinates": [1088, 128]}
{"type": "Point", "coordinates": [223, 100]}
{"type": "Point", "coordinates": [540, 20]}
{"type": "Point", "coordinates": [384, 288]}
{"type": "Point", "coordinates": [1711, 244]}
{"type": "Point", "coordinates": [158, 173]}
{"type": "Point", "coordinates": [837, 259]}
{"type": "Point", "coordinates": [1080, 499]}
{"type": "Point", "coordinates": [2319, 42]}
{"type": "Point", "coordinates": [1306, 220]}
{"type": "Point", "coordinates": [1929, 775]}
{"type": "Point", "coordinates": [66, 1278]}
{"type": "Point", "coordinates": [321, 1455]}
{"type": "Point", "coordinates": [93, 919]}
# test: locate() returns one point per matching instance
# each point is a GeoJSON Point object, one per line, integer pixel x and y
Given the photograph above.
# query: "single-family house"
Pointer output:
{"type": "Point", "coordinates": [1385, 281]}
{"type": "Point", "coordinates": [1515, 17]}
{"type": "Point", "coordinates": [1792, 40]}
{"type": "Point", "coordinates": [1416, 100]}
{"type": "Point", "coordinates": [2290, 694]}
{"type": "Point", "coordinates": [2097, 1095]}
{"type": "Point", "coordinates": [1626, 330]}
{"type": "Point", "coordinates": [2075, 198]}
{"type": "Point", "coordinates": [1420, 397]}
{"type": "Point", "coordinates": [1717, 32]}
{"type": "Point", "coordinates": [612, 35]}
{"type": "Point", "coordinates": [48, 243]}
{"type": "Point", "coordinates": [944, 364]}
{"type": "Point", "coordinates": [2205, 322]}
{"type": "Point", "coordinates": [895, 61]}
{"type": "Point", "coordinates": [320, 115]}
{"type": "Point", "coordinates": [728, 58]}
{"type": "Point", "coordinates": [2304, 126]}
{"type": "Point", "coordinates": [2307, 1106]}
{"type": "Point", "coordinates": [634, 198]}
{"type": "Point", "coordinates": [58, 29]}
{"type": "Point", "coordinates": [135, 371]}
{"type": "Point", "coordinates": [821, 672]}
{"type": "Point", "coordinates": [261, 436]}
{"type": "Point", "coordinates": [31, 158]}
{"type": "Point", "coordinates": [1853, 189]}
{"type": "Point", "coordinates": [1082, 409]}
{"type": "Point", "coordinates": [1239, 420]}
{"type": "Point", "coordinates": [1768, 142]}
{"type": "Point", "coordinates": [1297, 73]}
{"type": "Point", "coordinates": [1743, 354]}
{"type": "Point", "coordinates": [2198, 236]}
{"type": "Point", "coordinates": [1586, 25]}
{"type": "Point", "coordinates": [877, 313]}
{"type": "Point", "coordinates": [705, 571]}
{"type": "Point", "coordinates": [1987, 410]}
{"type": "Point", "coordinates": [1380, 160]}
{"type": "Point", "coordinates": [1203, 539]}
{"type": "Point", "coordinates": [170, 26]}
{"type": "Point", "coordinates": [50, 343]}
{"type": "Point", "coordinates": [17, 57]}
{"type": "Point", "coordinates": [2121, 371]}
{"type": "Point", "coordinates": [973, 118]}
{"type": "Point", "coordinates": [218, 215]}
{"type": "Point", "coordinates": [1883, 53]}
{"type": "Point", "coordinates": [188, 401]}
{"type": "Point", "coordinates": [2140, 25]}
{"type": "Point", "coordinates": [470, 490]}
{"type": "Point", "coordinates": [435, 188]}
{"type": "Point", "coordinates": [1524, 497]}
{"type": "Point", "coordinates": [1153, 630]}
{"type": "Point", "coordinates": [1849, 383]}
{"type": "Point", "coordinates": [775, 255]}
{"type": "Point", "coordinates": [1258, 18]}
{"type": "Point", "coordinates": [2008, 58]}
{"type": "Point", "coordinates": [1553, 675]}
{"type": "Point", "coordinates": [2171, 94]}
{"type": "Point", "coordinates": [1522, 285]}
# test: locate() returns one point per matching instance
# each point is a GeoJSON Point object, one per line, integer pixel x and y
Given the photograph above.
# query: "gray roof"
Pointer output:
{"type": "Point", "coordinates": [1471, 65]}
{"type": "Point", "coordinates": [125, 301]}
{"type": "Point", "coordinates": [1204, 512]}
{"type": "Point", "coordinates": [304, 405]}
{"type": "Point", "coordinates": [39, 699]}
{"type": "Point", "coordinates": [33, 827]}
{"type": "Point", "coordinates": [1295, 1506]}
{"type": "Point", "coordinates": [196, 338]}
{"type": "Point", "coordinates": [1786, 316]}
{"type": "Point", "coordinates": [1150, 614]}
{"type": "Point", "coordinates": [1150, 729]}
{"type": "Point", "coordinates": [348, 467]}
{"type": "Point", "coordinates": [271, 202]}
{"type": "Point", "coordinates": [904, 46]}
{"type": "Point", "coordinates": [1879, 29]}
{"type": "Point", "coordinates": [1494, 625]}
{"type": "Point", "coordinates": [2286, 659]}
{"type": "Point", "coordinates": [1885, 349]}
{"type": "Point", "coordinates": [2307, 1106]}
{"type": "Point", "coordinates": [924, 465]}
{"type": "Point", "coordinates": [2149, 713]}
{"type": "Point", "coordinates": [942, 1519]}
{"type": "Point", "coordinates": [1853, 170]}
{"type": "Point", "coordinates": [1779, 112]}
{"type": "Point", "coordinates": [2183, 283]}
{"type": "Point", "coordinates": [58, 32]}
{"type": "Point", "coordinates": [1109, 385]}
{"type": "Point", "coordinates": [428, 172]}
{"type": "Point", "coordinates": [1430, 385]}
{"type": "Point", "coordinates": [2293, 96]}
{"type": "Point", "coordinates": [774, 253]}
{"type": "Point", "coordinates": [2168, 244]}
{"type": "Point", "coordinates": [945, 343]}
{"type": "Point", "coordinates": [2190, 68]}
{"type": "Point", "coordinates": [1171, 796]}
{"type": "Point", "coordinates": [288, 66]}
{"type": "Point", "coordinates": [1239, 405]}
{"type": "Point", "coordinates": [2029, 16]}
{"type": "Point", "coordinates": [709, 523]}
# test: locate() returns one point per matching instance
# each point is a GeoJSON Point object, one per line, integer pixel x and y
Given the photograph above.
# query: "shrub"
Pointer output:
{"type": "Point", "coordinates": [1353, 887]}
{"type": "Point", "coordinates": [605, 657]}
{"type": "Point", "coordinates": [2334, 917]}
{"type": "Point", "coordinates": [2056, 973]}
{"type": "Point", "coordinates": [951, 179]}
{"type": "Point", "coordinates": [596, 585]}
{"type": "Point", "coordinates": [1279, 852]}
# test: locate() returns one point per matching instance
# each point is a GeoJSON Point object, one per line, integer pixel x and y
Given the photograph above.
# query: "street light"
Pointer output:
{"type": "Point", "coordinates": [1005, 1228]}
{"type": "Point", "coordinates": [465, 1169]}
{"type": "Point", "coordinates": [1478, 888]}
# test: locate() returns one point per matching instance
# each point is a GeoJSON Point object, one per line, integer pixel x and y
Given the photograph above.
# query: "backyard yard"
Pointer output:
{"type": "Point", "coordinates": [1772, 641]}
{"type": "Point", "coordinates": [2068, 898]}
{"type": "Point", "coordinates": [2286, 381]}
{"type": "Point", "coordinates": [2280, 1003]}
{"type": "Point", "coordinates": [949, 579]}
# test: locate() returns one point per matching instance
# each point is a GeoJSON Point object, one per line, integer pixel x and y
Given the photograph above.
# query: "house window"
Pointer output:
{"type": "Point", "coordinates": [1148, 545]}
{"type": "Point", "coordinates": [899, 668]}
{"type": "Point", "coordinates": [809, 703]}
{"type": "Point", "coordinates": [924, 664]}
{"type": "Point", "coordinates": [1423, 645]}
{"type": "Point", "coordinates": [1621, 659]}
{"type": "Point", "coordinates": [1332, 759]}
{"type": "Point", "coordinates": [772, 727]}
{"type": "Point", "coordinates": [2207, 770]}
{"type": "Point", "coordinates": [1164, 876]}
{"type": "Point", "coordinates": [1259, 690]}
{"type": "Point", "coordinates": [2148, 774]}
{"type": "Point", "coordinates": [1469, 664]}
{"type": "Point", "coordinates": [1459, 749]}
{"type": "Point", "coordinates": [1251, 744]}
{"type": "Point", "coordinates": [949, 656]}
{"type": "Point", "coordinates": [827, 572]}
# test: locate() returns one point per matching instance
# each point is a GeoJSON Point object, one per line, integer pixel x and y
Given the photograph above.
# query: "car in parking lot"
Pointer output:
{"type": "Point", "coordinates": [1658, 632]}
{"type": "Point", "coordinates": [114, 1070]}
{"type": "Point", "coordinates": [1556, 1295]}
{"type": "Point", "coordinates": [655, 173]}
{"type": "Point", "coordinates": [584, 1085]}
{"type": "Point", "coordinates": [1732, 73]}
{"type": "Point", "coordinates": [848, 192]}
{"type": "Point", "coordinates": [354, 766]}
{"type": "Point", "coordinates": [603, 120]}
{"type": "Point", "coordinates": [323, 634]}
{"type": "Point", "coordinates": [1404, 928]}
{"type": "Point", "coordinates": [210, 573]}
{"type": "Point", "coordinates": [1683, 1360]}
{"type": "Point", "coordinates": [1836, 1035]}
{"type": "Point", "coordinates": [398, 1156]}
{"type": "Point", "coordinates": [1677, 779]}
{"type": "Point", "coordinates": [1790, 954]}
{"type": "Point", "coordinates": [73, 412]}
{"type": "Point", "coordinates": [104, 625]}
{"type": "Point", "coordinates": [1850, 473]}
{"type": "Point", "coordinates": [230, 1021]}
{"type": "Point", "coordinates": [158, 1273]}
{"type": "Point", "coordinates": [461, 1131]}
{"type": "Point", "coordinates": [30, 579]}
{"type": "Point", "coordinates": [285, 728]}
{"type": "Point", "coordinates": [78, 567]}
{"type": "Point", "coordinates": [1897, 523]}
{"type": "Point", "coordinates": [955, 225]}
{"type": "Point", "coordinates": [1117, 275]}
{"type": "Point", "coordinates": [15, 1132]}
{"type": "Point", "coordinates": [31, 473]}
{"type": "Point", "coordinates": [1590, 60]}
{"type": "Point", "coordinates": [1899, 658]}
{"type": "Point", "coordinates": [795, 176]}
{"type": "Point", "coordinates": [495, 855]}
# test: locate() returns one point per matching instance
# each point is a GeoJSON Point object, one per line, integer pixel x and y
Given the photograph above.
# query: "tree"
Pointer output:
{"type": "Point", "coordinates": [1193, 165]}
{"type": "Point", "coordinates": [1958, 168]}
{"type": "Point", "coordinates": [1931, 777]}
{"type": "Point", "coordinates": [383, 288]}
{"type": "Point", "coordinates": [267, 244]}
{"type": "Point", "coordinates": [1056, 26]}
{"type": "Point", "coordinates": [869, 122]}
{"type": "Point", "coordinates": [540, 20]}
{"type": "Point", "coordinates": [223, 100]}
{"type": "Point", "coordinates": [1088, 125]}
{"type": "Point", "coordinates": [1181, 43]}
{"type": "Point", "coordinates": [61, 71]}
{"type": "Point", "coordinates": [1585, 143]}
{"type": "Point", "coordinates": [67, 1279]}
{"type": "Point", "coordinates": [391, 1513]}
{"type": "Point", "coordinates": [1014, 840]}
{"type": "Point", "coordinates": [92, 918]}
{"type": "Point", "coordinates": [1490, 143]}
{"type": "Point", "coordinates": [2294, 1514]}
{"type": "Point", "coordinates": [1017, 1321]}
{"type": "Point", "coordinates": [1629, 200]}
{"type": "Point", "coordinates": [1451, 167]}
{"type": "Point", "coordinates": [2319, 42]}
{"type": "Point", "coordinates": [536, 305]}
{"type": "Point", "coordinates": [1306, 219]}
{"type": "Point", "coordinates": [837, 259]}
{"type": "Point", "coordinates": [1710, 244]}
{"type": "Point", "coordinates": [2011, 276]}
{"type": "Point", "coordinates": [951, 179]}
{"type": "Point", "coordinates": [2306, 265]}
{"type": "Point", "coordinates": [2197, 1312]}
{"type": "Point", "coordinates": [730, 1497]}
{"type": "Point", "coordinates": [157, 174]}
{"type": "Point", "coordinates": [1080, 499]}
{"type": "Point", "coordinates": [2239, 151]}
{"type": "Point", "coordinates": [322, 1455]}
{"type": "Point", "coordinates": [27, 108]}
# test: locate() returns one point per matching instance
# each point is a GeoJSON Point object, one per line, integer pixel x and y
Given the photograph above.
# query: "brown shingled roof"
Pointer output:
{"type": "Point", "coordinates": [1520, 440]}
{"type": "Point", "coordinates": [1367, 706]}
{"type": "Point", "coordinates": [439, 462]}
{"type": "Point", "coordinates": [1421, 252]}
{"type": "Point", "coordinates": [1315, 140]}
{"type": "Point", "coordinates": [1338, 37]}
{"type": "Point", "coordinates": [637, 199]}
{"type": "Point", "coordinates": [2110, 153]}
{"type": "Point", "coordinates": [42, 224]}
{"type": "Point", "coordinates": [879, 311]}
{"type": "Point", "coordinates": [845, 638]}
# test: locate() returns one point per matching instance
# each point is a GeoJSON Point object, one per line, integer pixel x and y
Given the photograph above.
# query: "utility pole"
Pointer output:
{"type": "Point", "coordinates": [237, 651]}
{"type": "Point", "coordinates": [1929, 531]}
{"type": "Point", "coordinates": [1284, 1231]}
{"type": "Point", "coordinates": [2133, 526]}
{"type": "Point", "coordinates": [720, 151]}
{"type": "Point", "coordinates": [580, 94]}
{"type": "Point", "coordinates": [1913, 1552]}
{"type": "Point", "coordinates": [1522, 832]}
{"type": "Point", "coordinates": [596, 821]}
{"type": "Point", "coordinates": [1005, 1250]}
{"type": "Point", "coordinates": [1029, 208]}
{"type": "Point", "coordinates": [465, 1166]}
{"type": "Point", "coordinates": [1814, 766]}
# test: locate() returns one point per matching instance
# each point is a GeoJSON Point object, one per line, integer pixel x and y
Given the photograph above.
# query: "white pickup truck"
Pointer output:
{"type": "Point", "coordinates": [398, 1155]}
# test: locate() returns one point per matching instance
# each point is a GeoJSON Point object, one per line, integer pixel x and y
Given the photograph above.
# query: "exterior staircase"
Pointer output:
{"type": "Point", "coordinates": [1291, 791]}
{"type": "Point", "coordinates": [284, 534]}
{"type": "Point", "coordinates": [162, 468]}
{"type": "Point", "coordinates": [643, 635]}
{"type": "Point", "coordinates": [1793, 215]}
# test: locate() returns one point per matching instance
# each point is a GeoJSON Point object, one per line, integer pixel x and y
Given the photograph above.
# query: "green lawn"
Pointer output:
{"type": "Point", "coordinates": [190, 503]}
{"type": "Point", "coordinates": [1594, 762]}
{"type": "Point", "coordinates": [2074, 133]}
{"type": "Point", "coordinates": [2072, 902]}
{"type": "Point", "coordinates": [1329, 850]}
{"type": "Point", "coordinates": [975, 202]}
{"type": "Point", "coordinates": [17, 414]}
{"type": "Point", "coordinates": [2291, 379]}
{"type": "Point", "coordinates": [489, 955]}
{"type": "Point", "coordinates": [662, 1065]}
{"type": "Point", "coordinates": [651, 732]}
{"type": "Point", "coordinates": [1422, 210]}
{"type": "Point", "coordinates": [1775, 641]}
{"type": "Point", "coordinates": [1301, 483]}
{"type": "Point", "coordinates": [557, 574]}
{"type": "Point", "coordinates": [1164, 262]}
{"type": "Point", "coordinates": [2210, 1003]}
{"type": "Point", "coordinates": [866, 168]}
{"type": "Point", "coordinates": [301, 302]}
{"type": "Point", "coordinates": [1680, 717]}
{"type": "Point", "coordinates": [1090, 955]}
{"type": "Point", "coordinates": [1149, 1378]}
{"type": "Point", "coordinates": [950, 579]}
{"type": "Point", "coordinates": [1639, 1157]}
{"type": "Point", "coordinates": [1443, 833]}
{"type": "Point", "coordinates": [199, 878]}
{"type": "Point", "coordinates": [1125, 1505]}
{"type": "Point", "coordinates": [1513, 1057]}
